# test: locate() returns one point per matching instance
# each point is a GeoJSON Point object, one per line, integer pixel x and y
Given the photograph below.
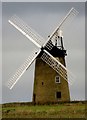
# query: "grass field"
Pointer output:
{"type": "Point", "coordinates": [64, 110]}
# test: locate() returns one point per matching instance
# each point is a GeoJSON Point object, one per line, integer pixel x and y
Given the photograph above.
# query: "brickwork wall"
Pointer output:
{"type": "Point", "coordinates": [45, 87]}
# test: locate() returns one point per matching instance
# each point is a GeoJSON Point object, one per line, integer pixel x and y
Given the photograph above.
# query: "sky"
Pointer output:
{"type": "Point", "coordinates": [43, 18]}
{"type": "Point", "coordinates": [0, 53]}
{"type": "Point", "coordinates": [43, 0]}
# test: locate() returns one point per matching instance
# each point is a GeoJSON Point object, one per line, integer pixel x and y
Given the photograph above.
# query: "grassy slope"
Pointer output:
{"type": "Point", "coordinates": [65, 110]}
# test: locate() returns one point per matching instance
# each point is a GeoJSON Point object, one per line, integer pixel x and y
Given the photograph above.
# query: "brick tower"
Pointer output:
{"type": "Point", "coordinates": [49, 86]}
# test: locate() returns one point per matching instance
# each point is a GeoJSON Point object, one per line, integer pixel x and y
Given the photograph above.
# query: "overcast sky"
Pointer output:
{"type": "Point", "coordinates": [44, 18]}
{"type": "Point", "coordinates": [0, 52]}
{"type": "Point", "coordinates": [43, 0]}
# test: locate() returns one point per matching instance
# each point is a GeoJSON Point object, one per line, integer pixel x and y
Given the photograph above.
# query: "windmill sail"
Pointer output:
{"type": "Point", "coordinates": [39, 42]}
{"type": "Point", "coordinates": [49, 45]}
{"type": "Point", "coordinates": [35, 37]}
{"type": "Point", "coordinates": [57, 66]}
{"type": "Point", "coordinates": [14, 79]}
{"type": "Point", "coordinates": [71, 14]}
{"type": "Point", "coordinates": [27, 31]}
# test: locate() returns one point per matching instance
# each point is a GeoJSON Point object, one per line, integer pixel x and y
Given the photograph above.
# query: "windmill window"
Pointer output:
{"type": "Point", "coordinates": [42, 83]}
{"type": "Point", "coordinates": [58, 95]}
{"type": "Point", "coordinates": [57, 79]}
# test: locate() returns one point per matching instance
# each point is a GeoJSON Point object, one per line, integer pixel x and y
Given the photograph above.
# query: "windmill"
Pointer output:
{"type": "Point", "coordinates": [51, 75]}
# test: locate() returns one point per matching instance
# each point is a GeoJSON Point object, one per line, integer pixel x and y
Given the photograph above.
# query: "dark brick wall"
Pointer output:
{"type": "Point", "coordinates": [45, 87]}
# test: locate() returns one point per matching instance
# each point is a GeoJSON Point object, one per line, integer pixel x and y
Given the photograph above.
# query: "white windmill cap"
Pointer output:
{"type": "Point", "coordinates": [60, 33]}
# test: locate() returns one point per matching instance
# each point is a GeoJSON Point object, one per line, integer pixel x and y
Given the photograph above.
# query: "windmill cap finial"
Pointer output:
{"type": "Point", "coordinates": [60, 33]}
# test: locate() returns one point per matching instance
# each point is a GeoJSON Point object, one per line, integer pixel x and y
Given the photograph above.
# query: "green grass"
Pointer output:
{"type": "Point", "coordinates": [65, 110]}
